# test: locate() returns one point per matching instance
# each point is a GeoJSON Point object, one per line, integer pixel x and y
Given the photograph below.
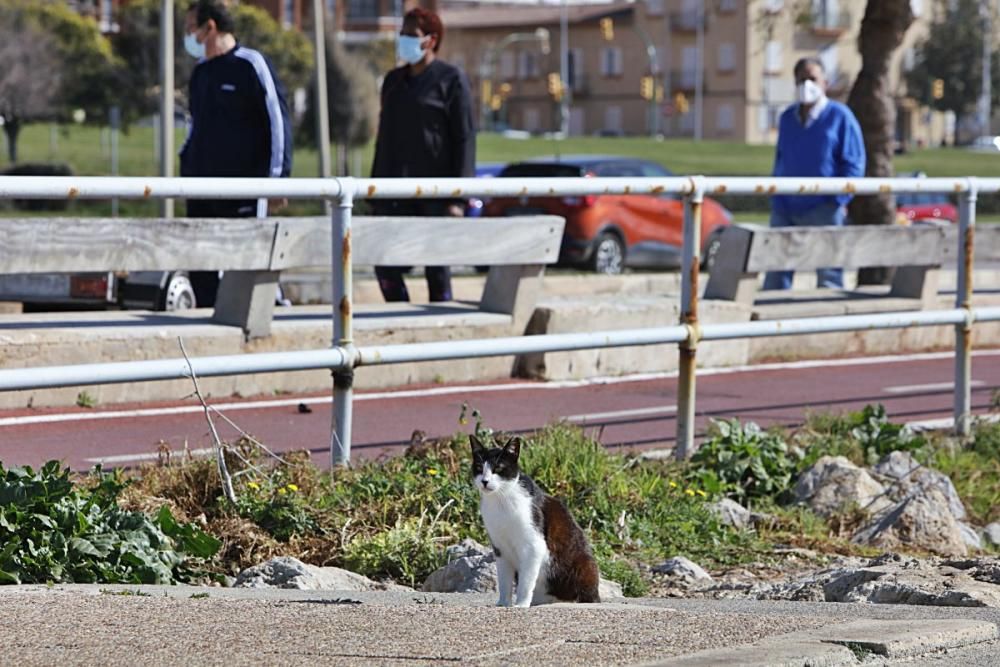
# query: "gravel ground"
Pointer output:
{"type": "Point", "coordinates": [71, 625]}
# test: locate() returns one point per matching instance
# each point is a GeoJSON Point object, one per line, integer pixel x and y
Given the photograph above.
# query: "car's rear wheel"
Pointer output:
{"type": "Point", "coordinates": [609, 254]}
{"type": "Point", "coordinates": [179, 293]}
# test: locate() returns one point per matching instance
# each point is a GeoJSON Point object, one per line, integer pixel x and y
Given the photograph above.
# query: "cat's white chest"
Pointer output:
{"type": "Point", "coordinates": [508, 521]}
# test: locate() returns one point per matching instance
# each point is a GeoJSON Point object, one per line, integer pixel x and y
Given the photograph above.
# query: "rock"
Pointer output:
{"type": "Point", "coordinates": [731, 513]}
{"type": "Point", "coordinates": [608, 589]}
{"type": "Point", "coordinates": [904, 476]}
{"type": "Point", "coordinates": [924, 521]}
{"type": "Point", "coordinates": [893, 579]}
{"type": "Point", "coordinates": [472, 568]}
{"type": "Point", "coordinates": [834, 484]}
{"type": "Point", "coordinates": [991, 534]}
{"type": "Point", "coordinates": [679, 566]}
{"type": "Point", "coordinates": [287, 572]}
{"type": "Point", "coordinates": [970, 536]}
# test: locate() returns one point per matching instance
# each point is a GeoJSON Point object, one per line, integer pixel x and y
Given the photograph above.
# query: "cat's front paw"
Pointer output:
{"type": "Point", "coordinates": [523, 603]}
{"type": "Point", "coordinates": [503, 603]}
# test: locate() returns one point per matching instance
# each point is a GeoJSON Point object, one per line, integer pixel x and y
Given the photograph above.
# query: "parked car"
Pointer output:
{"type": "Point", "coordinates": [474, 205]}
{"type": "Point", "coordinates": [924, 206]}
{"type": "Point", "coordinates": [606, 233]}
{"type": "Point", "coordinates": [147, 290]}
{"type": "Point", "coordinates": [985, 144]}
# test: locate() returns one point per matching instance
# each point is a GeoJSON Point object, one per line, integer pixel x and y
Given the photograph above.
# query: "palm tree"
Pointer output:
{"type": "Point", "coordinates": [882, 30]}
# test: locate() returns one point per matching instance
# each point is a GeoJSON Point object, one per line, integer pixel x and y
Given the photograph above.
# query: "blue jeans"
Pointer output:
{"type": "Point", "coordinates": [823, 215]}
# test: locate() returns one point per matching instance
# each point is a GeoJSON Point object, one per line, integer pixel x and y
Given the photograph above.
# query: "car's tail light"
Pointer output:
{"type": "Point", "coordinates": [93, 287]}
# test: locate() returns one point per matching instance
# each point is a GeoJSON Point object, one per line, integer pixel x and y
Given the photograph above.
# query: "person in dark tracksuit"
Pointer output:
{"type": "Point", "coordinates": [425, 129]}
{"type": "Point", "coordinates": [239, 121]}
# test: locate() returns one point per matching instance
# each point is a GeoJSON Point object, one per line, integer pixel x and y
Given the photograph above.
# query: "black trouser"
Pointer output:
{"type": "Point", "coordinates": [206, 283]}
{"type": "Point", "coordinates": [390, 278]}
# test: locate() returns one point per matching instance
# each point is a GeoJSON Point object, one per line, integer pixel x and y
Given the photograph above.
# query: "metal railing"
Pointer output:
{"type": "Point", "coordinates": [344, 356]}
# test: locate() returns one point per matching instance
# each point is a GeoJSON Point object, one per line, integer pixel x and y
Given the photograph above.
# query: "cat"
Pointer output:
{"type": "Point", "coordinates": [535, 539]}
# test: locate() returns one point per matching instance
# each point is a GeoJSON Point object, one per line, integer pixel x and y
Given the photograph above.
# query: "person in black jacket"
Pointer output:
{"type": "Point", "coordinates": [239, 121]}
{"type": "Point", "coordinates": [425, 129]}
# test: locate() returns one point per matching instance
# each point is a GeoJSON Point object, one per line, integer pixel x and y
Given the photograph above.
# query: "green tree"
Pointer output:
{"type": "Point", "coordinates": [67, 53]}
{"type": "Point", "coordinates": [952, 52]}
{"type": "Point", "coordinates": [352, 98]}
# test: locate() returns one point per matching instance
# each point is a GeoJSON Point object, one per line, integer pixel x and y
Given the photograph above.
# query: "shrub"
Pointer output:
{"type": "Point", "coordinates": [743, 461]}
{"type": "Point", "coordinates": [53, 530]}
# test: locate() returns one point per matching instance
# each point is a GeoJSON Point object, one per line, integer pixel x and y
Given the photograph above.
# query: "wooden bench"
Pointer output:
{"type": "Point", "coordinates": [916, 252]}
{"type": "Point", "coordinates": [253, 253]}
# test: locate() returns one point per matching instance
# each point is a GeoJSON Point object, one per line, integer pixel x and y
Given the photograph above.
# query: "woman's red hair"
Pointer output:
{"type": "Point", "coordinates": [428, 22]}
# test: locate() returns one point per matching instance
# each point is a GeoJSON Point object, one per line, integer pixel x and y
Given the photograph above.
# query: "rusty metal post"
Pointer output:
{"type": "Point", "coordinates": [343, 327]}
{"type": "Point", "coordinates": [689, 317]}
{"type": "Point", "coordinates": [963, 300]}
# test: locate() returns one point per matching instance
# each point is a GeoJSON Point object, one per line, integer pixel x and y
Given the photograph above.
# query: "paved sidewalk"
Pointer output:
{"type": "Point", "coordinates": [151, 625]}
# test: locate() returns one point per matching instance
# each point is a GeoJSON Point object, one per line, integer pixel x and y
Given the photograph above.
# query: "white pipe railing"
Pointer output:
{"type": "Point", "coordinates": [344, 357]}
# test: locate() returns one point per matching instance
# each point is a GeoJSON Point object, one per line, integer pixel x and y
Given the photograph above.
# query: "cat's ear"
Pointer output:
{"type": "Point", "coordinates": [477, 446]}
{"type": "Point", "coordinates": [513, 447]}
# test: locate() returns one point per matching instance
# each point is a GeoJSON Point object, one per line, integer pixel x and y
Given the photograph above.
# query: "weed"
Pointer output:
{"type": "Point", "coordinates": [199, 596]}
{"type": "Point", "coordinates": [125, 593]}
{"type": "Point", "coordinates": [85, 400]}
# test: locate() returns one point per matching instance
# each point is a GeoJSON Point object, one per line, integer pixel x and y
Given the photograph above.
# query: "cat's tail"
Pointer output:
{"type": "Point", "coordinates": [589, 595]}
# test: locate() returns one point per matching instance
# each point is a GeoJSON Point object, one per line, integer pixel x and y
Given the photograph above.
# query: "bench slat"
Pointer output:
{"type": "Point", "coordinates": [422, 241]}
{"type": "Point", "coordinates": [851, 247]}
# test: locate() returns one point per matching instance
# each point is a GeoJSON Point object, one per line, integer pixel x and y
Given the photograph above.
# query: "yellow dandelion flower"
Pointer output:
{"type": "Point", "coordinates": [673, 485]}
{"type": "Point", "coordinates": [282, 491]}
{"type": "Point", "coordinates": [253, 485]}
{"type": "Point", "coordinates": [690, 492]}
{"type": "Point", "coordinates": [293, 487]}
{"type": "Point", "coordinates": [701, 493]}
{"type": "Point", "coordinates": [432, 471]}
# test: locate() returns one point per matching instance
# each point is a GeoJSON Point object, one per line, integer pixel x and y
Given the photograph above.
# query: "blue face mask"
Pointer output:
{"type": "Point", "coordinates": [191, 45]}
{"type": "Point", "coordinates": [409, 49]}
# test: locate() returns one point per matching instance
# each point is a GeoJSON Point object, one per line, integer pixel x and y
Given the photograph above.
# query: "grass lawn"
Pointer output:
{"type": "Point", "coordinates": [86, 150]}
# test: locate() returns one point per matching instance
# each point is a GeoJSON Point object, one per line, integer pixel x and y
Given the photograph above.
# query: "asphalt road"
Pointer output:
{"type": "Point", "coordinates": [633, 412]}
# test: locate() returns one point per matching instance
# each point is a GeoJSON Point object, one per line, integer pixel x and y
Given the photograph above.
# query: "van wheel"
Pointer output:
{"type": "Point", "coordinates": [179, 293]}
{"type": "Point", "coordinates": [609, 254]}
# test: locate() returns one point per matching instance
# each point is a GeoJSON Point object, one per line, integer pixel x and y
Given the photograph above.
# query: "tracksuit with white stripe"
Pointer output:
{"type": "Point", "coordinates": [239, 127]}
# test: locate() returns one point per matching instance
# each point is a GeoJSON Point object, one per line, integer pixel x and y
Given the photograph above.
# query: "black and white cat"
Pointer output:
{"type": "Point", "coordinates": [535, 539]}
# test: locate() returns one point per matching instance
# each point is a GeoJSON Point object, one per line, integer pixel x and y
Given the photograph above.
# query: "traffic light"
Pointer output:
{"type": "Point", "coordinates": [555, 85]}
{"type": "Point", "coordinates": [647, 88]}
{"type": "Point", "coordinates": [659, 92]}
{"type": "Point", "coordinates": [607, 28]}
{"type": "Point", "coordinates": [937, 89]}
{"type": "Point", "coordinates": [681, 103]}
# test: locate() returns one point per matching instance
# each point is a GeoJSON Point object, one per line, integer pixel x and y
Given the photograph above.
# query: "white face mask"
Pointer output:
{"type": "Point", "coordinates": [409, 49]}
{"type": "Point", "coordinates": [808, 92]}
{"type": "Point", "coordinates": [191, 45]}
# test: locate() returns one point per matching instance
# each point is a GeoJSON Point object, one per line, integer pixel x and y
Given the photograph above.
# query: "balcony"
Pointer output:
{"type": "Point", "coordinates": [687, 20]}
{"type": "Point", "coordinates": [684, 80]}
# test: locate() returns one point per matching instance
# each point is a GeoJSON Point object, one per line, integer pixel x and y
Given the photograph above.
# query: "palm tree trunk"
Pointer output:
{"type": "Point", "coordinates": [882, 31]}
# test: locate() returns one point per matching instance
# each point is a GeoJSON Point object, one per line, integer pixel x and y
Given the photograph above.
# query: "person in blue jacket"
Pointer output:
{"type": "Point", "coordinates": [817, 136]}
{"type": "Point", "coordinates": [239, 121]}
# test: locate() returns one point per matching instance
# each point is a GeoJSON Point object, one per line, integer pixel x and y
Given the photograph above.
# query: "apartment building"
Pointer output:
{"type": "Point", "coordinates": [722, 68]}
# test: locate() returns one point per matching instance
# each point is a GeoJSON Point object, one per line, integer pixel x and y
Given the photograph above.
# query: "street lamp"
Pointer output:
{"type": "Point", "coordinates": [487, 64]}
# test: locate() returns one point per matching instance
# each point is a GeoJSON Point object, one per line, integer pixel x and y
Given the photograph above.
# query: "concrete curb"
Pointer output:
{"type": "Point", "coordinates": [848, 644]}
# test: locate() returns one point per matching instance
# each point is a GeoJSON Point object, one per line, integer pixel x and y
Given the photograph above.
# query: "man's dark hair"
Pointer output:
{"type": "Point", "coordinates": [215, 10]}
{"type": "Point", "coordinates": [802, 63]}
{"type": "Point", "coordinates": [428, 22]}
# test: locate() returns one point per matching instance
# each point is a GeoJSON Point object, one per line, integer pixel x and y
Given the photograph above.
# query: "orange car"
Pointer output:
{"type": "Point", "coordinates": [606, 233]}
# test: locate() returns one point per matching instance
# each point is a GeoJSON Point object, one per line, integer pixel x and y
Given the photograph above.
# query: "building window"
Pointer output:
{"type": "Point", "coordinates": [611, 61]}
{"type": "Point", "coordinates": [613, 120]}
{"type": "Point", "coordinates": [654, 7]}
{"type": "Point", "coordinates": [288, 13]}
{"type": "Point", "coordinates": [725, 118]}
{"type": "Point", "coordinates": [773, 6]}
{"type": "Point", "coordinates": [362, 9]}
{"type": "Point", "coordinates": [576, 71]}
{"type": "Point", "coordinates": [727, 57]}
{"type": "Point", "coordinates": [527, 65]}
{"type": "Point", "coordinates": [831, 64]}
{"type": "Point", "coordinates": [507, 65]}
{"type": "Point", "coordinates": [727, 6]}
{"type": "Point", "coordinates": [773, 59]}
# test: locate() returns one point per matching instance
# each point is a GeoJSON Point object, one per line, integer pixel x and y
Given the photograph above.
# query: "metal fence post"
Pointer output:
{"type": "Point", "coordinates": [963, 300]}
{"type": "Point", "coordinates": [343, 328]}
{"type": "Point", "coordinates": [688, 349]}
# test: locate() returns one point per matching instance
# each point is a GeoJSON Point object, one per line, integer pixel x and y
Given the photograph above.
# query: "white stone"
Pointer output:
{"type": "Point", "coordinates": [834, 484]}
{"type": "Point", "coordinates": [731, 513]}
{"type": "Point", "coordinates": [288, 572]}
{"type": "Point", "coordinates": [923, 520]}
{"type": "Point", "coordinates": [991, 533]}
{"type": "Point", "coordinates": [679, 566]}
{"type": "Point", "coordinates": [903, 475]}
